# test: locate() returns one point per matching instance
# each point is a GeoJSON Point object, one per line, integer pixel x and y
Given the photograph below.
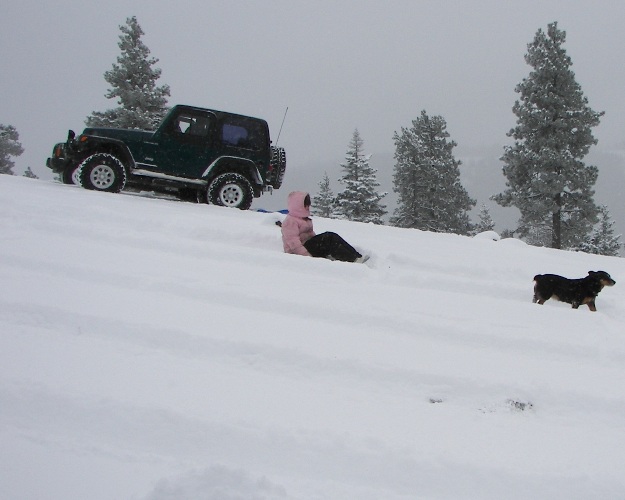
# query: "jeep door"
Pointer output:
{"type": "Point", "coordinates": [184, 145]}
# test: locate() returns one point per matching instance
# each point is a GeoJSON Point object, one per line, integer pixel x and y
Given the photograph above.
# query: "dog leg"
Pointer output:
{"type": "Point", "coordinates": [537, 298]}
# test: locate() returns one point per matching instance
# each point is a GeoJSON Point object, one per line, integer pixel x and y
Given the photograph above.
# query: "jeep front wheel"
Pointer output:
{"type": "Point", "coordinates": [102, 172]}
{"type": "Point", "coordinates": [70, 175]}
{"type": "Point", "coordinates": [231, 190]}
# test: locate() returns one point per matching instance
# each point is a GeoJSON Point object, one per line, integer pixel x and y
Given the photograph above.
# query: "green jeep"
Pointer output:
{"type": "Point", "coordinates": [195, 153]}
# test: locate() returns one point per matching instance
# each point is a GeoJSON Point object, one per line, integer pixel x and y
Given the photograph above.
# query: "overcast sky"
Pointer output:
{"type": "Point", "coordinates": [337, 65]}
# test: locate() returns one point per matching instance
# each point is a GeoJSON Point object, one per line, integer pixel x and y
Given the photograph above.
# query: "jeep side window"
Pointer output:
{"type": "Point", "coordinates": [182, 124]}
{"type": "Point", "coordinates": [198, 126]}
{"type": "Point", "coordinates": [247, 135]}
{"type": "Point", "coordinates": [233, 135]}
{"type": "Point", "coordinates": [189, 127]}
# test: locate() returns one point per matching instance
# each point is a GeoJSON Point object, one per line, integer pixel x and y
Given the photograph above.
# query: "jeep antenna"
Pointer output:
{"type": "Point", "coordinates": [281, 125]}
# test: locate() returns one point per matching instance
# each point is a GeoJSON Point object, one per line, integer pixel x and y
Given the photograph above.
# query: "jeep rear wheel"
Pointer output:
{"type": "Point", "coordinates": [231, 190]}
{"type": "Point", "coordinates": [102, 172]}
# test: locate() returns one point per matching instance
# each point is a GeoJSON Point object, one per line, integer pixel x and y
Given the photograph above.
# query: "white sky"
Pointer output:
{"type": "Point", "coordinates": [337, 65]}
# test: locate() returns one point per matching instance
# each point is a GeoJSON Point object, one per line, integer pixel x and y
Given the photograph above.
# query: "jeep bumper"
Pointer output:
{"type": "Point", "coordinates": [59, 160]}
{"type": "Point", "coordinates": [57, 165]}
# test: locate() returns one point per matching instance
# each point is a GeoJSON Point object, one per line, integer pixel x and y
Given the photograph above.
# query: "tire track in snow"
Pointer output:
{"type": "Point", "coordinates": [377, 375]}
{"type": "Point", "coordinates": [133, 435]}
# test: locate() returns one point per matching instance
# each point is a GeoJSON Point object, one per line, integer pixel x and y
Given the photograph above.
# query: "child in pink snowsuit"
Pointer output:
{"type": "Point", "coordinates": [298, 236]}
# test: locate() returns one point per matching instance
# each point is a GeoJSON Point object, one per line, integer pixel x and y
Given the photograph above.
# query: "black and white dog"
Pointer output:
{"type": "Point", "coordinates": [574, 291]}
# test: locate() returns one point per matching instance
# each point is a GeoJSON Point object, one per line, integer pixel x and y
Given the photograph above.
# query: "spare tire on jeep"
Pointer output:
{"type": "Point", "coordinates": [278, 166]}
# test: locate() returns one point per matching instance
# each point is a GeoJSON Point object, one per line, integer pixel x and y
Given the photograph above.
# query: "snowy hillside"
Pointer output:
{"type": "Point", "coordinates": [158, 350]}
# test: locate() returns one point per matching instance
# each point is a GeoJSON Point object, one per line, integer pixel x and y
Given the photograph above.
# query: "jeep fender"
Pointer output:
{"type": "Point", "coordinates": [234, 164]}
{"type": "Point", "coordinates": [95, 144]}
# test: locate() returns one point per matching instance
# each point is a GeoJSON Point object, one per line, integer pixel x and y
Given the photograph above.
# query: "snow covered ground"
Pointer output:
{"type": "Point", "coordinates": [158, 350]}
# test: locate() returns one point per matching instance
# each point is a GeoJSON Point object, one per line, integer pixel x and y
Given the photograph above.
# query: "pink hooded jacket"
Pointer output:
{"type": "Point", "coordinates": [297, 228]}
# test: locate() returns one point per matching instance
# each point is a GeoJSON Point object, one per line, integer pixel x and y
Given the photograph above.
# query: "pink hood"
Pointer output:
{"type": "Point", "coordinates": [297, 227]}
{"type": "Point", "coordinates": [295, 204]}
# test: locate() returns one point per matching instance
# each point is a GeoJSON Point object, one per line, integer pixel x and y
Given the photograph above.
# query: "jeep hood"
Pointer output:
{"type": "Point", "coordinates": [119, 133]}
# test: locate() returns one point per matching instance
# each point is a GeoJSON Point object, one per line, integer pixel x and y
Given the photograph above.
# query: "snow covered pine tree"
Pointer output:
{"type": "Point", "coordinates": [9, 146]}
{"type": "Point", "coordinates": [603, 240]}
{"type": "Point", "coordinates": [359, 201]}
{"type": "Point", "coordinates": [546, 178]}
{"type": "Point", "coordinates": [324, 203]}
{"type": "Point", "coordinates": [427, 179]}
{"type": "Point", "coordinates": [142, 105]}
{"type": "Point", "coordinates": [485, 221]}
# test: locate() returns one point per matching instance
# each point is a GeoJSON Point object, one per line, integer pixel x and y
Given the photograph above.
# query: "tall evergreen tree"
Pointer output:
{"type": "Point", "coordinates": [603, 241]}
{"type": "Point", "coordinates": [9, 146]}
{"type": "Point", "coordinates": [546, 178]}
{"type": "Point", "coordinates": [324, 203]}
{"type": "Point", "coordinates": [427, 179]}
{"type": "Point", "coordinates": [359, 201]}
{"type": "Point", "coordinates": [142, 104]}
